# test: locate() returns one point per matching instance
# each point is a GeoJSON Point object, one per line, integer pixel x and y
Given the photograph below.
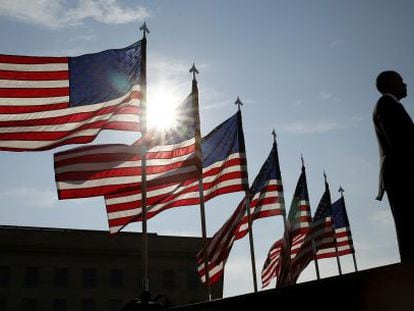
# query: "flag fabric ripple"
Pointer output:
{"type": "Point", "coordinates": [46, 102]}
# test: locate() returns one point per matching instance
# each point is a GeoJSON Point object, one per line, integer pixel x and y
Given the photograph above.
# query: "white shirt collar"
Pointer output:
{"type": "Point", "coordinates": [391, 95]}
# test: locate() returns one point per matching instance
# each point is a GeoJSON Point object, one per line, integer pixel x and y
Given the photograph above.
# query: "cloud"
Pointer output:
{"type": "Point", "coordinates": [382, 218]}
{"type": "Point", "coordinates": [311, 127]}
{"type": "Point", "coordinates": [34, 197]}
{"type": "Point", "coordinates": [57, 13]}
{"type": "Point", "coordinates": [105, 11]}
{"type": "Point", "coordinates": [319, 126]}
{"type": "Point", "coordinates": [330, 97]}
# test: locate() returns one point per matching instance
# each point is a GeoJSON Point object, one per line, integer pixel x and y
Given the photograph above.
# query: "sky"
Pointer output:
{"type": "Point", "coordinates": [304, 68]}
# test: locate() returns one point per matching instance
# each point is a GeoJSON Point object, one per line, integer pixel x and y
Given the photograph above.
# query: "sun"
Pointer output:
{"type": "Point", "coordinates": [162, 102]}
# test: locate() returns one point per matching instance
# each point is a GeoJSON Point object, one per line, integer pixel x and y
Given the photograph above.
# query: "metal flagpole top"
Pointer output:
{"type": "Point", "coordinates": [238, 102]}
{"type": "Point", "coordinates": [274, 135]}
{"type": "Point", "coordinates": [144, 29]}
{"type": "Point", "coordinates": [194, 71]}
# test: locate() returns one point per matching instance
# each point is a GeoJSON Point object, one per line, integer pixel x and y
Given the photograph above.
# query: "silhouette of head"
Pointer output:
{"type": "Point", "coordinates": [390, 82]}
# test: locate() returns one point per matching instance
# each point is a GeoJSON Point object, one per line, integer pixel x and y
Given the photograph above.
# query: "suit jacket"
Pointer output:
{"type": "Point", "coordinates": [395, 134]}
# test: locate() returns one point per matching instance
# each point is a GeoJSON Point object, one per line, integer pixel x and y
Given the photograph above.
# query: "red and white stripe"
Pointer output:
{"type": "Point", "coordinates": [34, 106]}
{"type": "Point", "coordinates": [272, 263]}
{"type": "Point", "coordinates": [101, 170]}
{"type": "Point", "coordinates": [344, 241]}
{"type": "Point", "coordinates": [219, 178]}
{"type": "Point", "coordinates": [215, 271]}
{"type": "Point", "coordinates": [220, 245]}
{"type": "Point", "coordinates": [268, 202]}
{"type": "Point", "coordinates": [299, 232]}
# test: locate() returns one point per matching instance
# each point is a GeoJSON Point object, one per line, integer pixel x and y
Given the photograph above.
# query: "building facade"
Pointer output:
{"type": "Point", "coordinates": [64, 269]}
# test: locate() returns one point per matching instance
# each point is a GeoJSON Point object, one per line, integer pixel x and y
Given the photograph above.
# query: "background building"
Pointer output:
{"type": "Point", "coordinates": [63, 269]}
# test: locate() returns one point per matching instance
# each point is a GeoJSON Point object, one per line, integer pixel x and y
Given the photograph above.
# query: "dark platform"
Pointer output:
{"type": "Point", "coordinates": [381, 289]}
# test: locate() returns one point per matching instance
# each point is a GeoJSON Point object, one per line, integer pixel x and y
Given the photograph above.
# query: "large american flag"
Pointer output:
{"type": "Point", "coordinates": [47, 102]}
{"type": "Point", "coordinates": [282, 253]}
{"type": "Point", "coordinates": [266, 199]}
{"type": "Point", "coordinates": [223, 171]}
{"type": "Point", "coordinates": [110, 168]}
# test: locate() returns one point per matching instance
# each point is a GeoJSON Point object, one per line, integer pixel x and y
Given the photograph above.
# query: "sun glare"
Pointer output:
{"type": "Point", "coordinates": [161, 108]}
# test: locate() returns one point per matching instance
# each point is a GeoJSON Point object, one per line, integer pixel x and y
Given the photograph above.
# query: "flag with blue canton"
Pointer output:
{"type": "Point", "coordinates": [324, 209]}
{"type": "Point", "coordinates": [343, 234]}
{"type": "Point", "coordinates": [296, 231]}
{"type": "Point", "coordinates": [266, 192]}
{"type": "Point", "coordinates": [320, 242]}
{"type": "Point", "coordinates": [46, 102]}
{"type": "Point", "coordinates": [323, 233]}
{"type": "Point", "coordinates": [266, 199]}
{"type": "Point", "coordinates": [111, 168]}
{"type": "Point", "coordinates": [223, 171]}
{"type": "Point", "coordinates": [339, 213]}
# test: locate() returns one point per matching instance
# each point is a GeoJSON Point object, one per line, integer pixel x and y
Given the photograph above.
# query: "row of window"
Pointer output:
{"type": "Point", "coordinates": [32, 304]}
{"type": "Point", "coordinates": [89, 278]}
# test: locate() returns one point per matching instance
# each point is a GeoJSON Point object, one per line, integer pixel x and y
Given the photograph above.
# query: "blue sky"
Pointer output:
{"type": "Point", "coordinates": [303, 68]}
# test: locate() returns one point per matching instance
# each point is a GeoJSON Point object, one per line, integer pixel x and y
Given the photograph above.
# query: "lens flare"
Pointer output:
{"type": "Point", "coordinates": [161, 107]}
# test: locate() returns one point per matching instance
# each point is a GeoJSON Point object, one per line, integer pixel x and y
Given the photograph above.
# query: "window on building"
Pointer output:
{"type": "Point", "coordinates": [89, 277]}
{"type": "Point", "coordinates": [168, 279]}
{"type": "Point", "coordinates": [115, 304]}
{"type": "Point", "coordinates": [4, 276]}
{"type": "Point", "coordinates": [29, 304]}
{"type": "Point", "coordinates": [59, 305]}
{"type": "Point", "coordinates": [88, 305]}
{"type": "Point", "coordinates": [31, 277]}
{"type": "Point", "coordinates": [61, 277]}
{"type": "Point", "coordinates": [116, 278]}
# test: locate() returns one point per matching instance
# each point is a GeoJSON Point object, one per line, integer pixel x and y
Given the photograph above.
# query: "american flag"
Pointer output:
{"type": "Point", "coordinates": [322, 227]}
{"type": "Point", "coordinates": [266, 199]}
{"type": "Point", "coordinates": [272, 263]}
{"type": "Point", "coordinates": [343, 235]}
{"type": "Point", "coordinates": [279, 261]}
{"type": "Point", "coordinates": [266, 192]}
{"type": "Point", "coordinates": [330, 232]}
{"type": "Point", "coordinates": [47, 102]}
{"type": "Point", "coordinates": [104, 169]}
{"type": "Point", "coordinates": [223, 171]}
{"type": "Point", "coordinates": [320, 239]}
{"type": "Point", "coordinates": [219, 246]}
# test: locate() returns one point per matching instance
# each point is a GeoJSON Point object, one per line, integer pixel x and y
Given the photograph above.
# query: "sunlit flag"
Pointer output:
{"type": "Point", "coordinates": [223, 171]}
{"type": "Point", "coordinates": [110, 168]}
{"type": "Point", "coordinates": [47, 102]}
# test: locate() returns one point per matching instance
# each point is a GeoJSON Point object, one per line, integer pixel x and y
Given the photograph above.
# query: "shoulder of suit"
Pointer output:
{"type": "Point", "coordinates": [387, 99]}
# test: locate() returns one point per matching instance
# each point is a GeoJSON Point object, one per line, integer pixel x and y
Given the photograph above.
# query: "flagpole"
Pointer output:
{"type": "Point", "coordinates": [341, 191]}
{"type": "Point", "coordinates": [338, 262]}
{"type": "Point", "coordinates": [239, 103]}
{"type": "Point", "coordinates": [284, 209]}
{"type": "Point", "coordinates": [315, 258]}
{"type": "Point", "coordinates": [194, 71]}
{"type": "Point", "coordinates": [145, 285]}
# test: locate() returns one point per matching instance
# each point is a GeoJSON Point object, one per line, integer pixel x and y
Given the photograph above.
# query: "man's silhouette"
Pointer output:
{"type": "Point", "coordinates": [395, 133]}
